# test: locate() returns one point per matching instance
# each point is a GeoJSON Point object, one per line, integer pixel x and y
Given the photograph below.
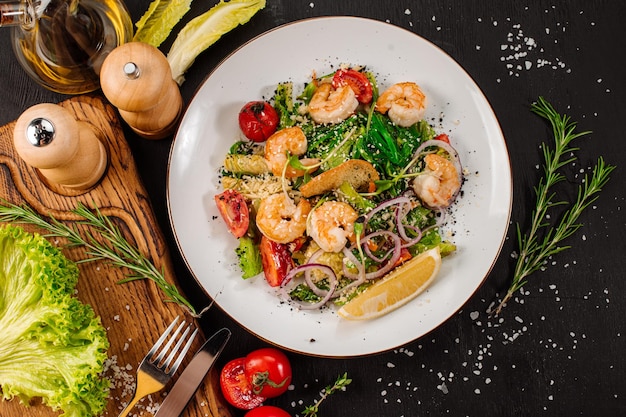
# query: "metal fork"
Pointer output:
{"type": "Point", "coordinates": [155, 370]}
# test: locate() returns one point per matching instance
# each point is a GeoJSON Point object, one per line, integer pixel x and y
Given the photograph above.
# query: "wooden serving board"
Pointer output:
{"type": "Point", "coordinates": [134, 313]}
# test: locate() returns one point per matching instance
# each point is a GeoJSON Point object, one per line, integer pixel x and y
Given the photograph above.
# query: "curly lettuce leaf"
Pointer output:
{"type": "Point", "coordinates": [206, 29]}
{"type": "Point", "coordinates": [52, 346]}
{"type": "Point", "coordinates": [157, 22]}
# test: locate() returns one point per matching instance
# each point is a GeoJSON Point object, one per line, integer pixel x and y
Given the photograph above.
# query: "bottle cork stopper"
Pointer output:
{"type": "Point", "coordinates": [137, 79]}
{"type": "Point", "coordinates": [65, 151]}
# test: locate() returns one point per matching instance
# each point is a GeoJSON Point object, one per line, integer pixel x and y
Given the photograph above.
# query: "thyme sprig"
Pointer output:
{"type": "Point", "coordinates": [110, 245]}
{"type": "Point", "coordinates": [544, 239]}
{"type": "Point", "coordinates": [341, 383]}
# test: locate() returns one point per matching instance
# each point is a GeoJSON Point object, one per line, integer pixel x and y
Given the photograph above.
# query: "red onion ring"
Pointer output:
{"type": "Point", "coordinates": [303, 268]}
{"type": "Point", "coordinates": [385, 204]}
{"type": "Point", "coordinates": [400, 215]}
{"type": "Point", "coordinates": [368, 251]}
{"type": "Point", "coordinates": [385, 268]}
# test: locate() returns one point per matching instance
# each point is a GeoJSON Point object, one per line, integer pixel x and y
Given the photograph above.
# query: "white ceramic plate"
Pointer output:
{"type": "Point", "coordinates": [292, 52]}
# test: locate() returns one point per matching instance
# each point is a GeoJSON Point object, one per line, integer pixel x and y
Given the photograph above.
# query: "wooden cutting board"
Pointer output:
{"type": "Point", "coordinates": [134, 313]}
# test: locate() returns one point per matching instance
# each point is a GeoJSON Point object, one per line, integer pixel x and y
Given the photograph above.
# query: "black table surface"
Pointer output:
{"type": "Point", "coordinates": [558, 347]}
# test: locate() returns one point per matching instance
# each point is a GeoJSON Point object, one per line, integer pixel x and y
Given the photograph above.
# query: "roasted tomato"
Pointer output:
{"type": "Point", "coordinates": [269, 372]}
{"type": "Point", "coordinates": [358, 81]}
{"type": "Point", "coordinates": [276, 260]}
{"type": "Point", "coordinates": [234, 210]}
{"type": "Point", "coordinates": [267, 411]}
{"type": "Point", "coordinates": [236, 387]}
{"type": "Point", "coordinates": [258, 120]}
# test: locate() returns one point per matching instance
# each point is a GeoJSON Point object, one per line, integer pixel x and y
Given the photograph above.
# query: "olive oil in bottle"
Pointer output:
{"type": "Point", "coordinates": [61, 44]}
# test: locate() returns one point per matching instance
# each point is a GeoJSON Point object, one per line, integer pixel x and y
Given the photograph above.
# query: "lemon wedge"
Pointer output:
{"type": "Point", "coordinates": [396, 289]}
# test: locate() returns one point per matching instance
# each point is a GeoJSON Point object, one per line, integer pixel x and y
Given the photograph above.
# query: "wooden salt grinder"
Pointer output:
{"type": "Point", "coordinates": [137, 79]}
{"type": "Point", "coordinates": [66, 151]}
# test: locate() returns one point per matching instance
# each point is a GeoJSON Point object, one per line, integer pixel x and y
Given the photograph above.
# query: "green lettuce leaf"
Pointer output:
{"type": "Point", "coordinates": [52, 346]}
{"type": "Point", "coordinates": [204, 30]}
{"type": "Point", "coordinates": [157, 22]}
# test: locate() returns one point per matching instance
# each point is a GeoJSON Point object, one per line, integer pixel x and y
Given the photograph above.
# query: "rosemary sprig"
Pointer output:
{"type": "Point", "coordinates": [543, 239]}
{"type": "Point", "coordinates": [341, 382]}
{"type": "Point", "coordinates": [111, 246]}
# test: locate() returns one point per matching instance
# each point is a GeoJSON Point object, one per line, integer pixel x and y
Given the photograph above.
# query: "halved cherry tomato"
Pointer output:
{"type": "Point", "coordinates": [267, 411]}
{"type": "Point", "coordinates": [276, 260]}
{"type": "Point", "coordinates": [234, 210]}
{"type": "Point", "coordinates": [258, 120]}
{"type": "Point", "coordinates": [443, 137]}
{"type": "Point", "coordinates": [269, 372]}
{"type": "Point", "coordinates": [236, 388]}
{"type": "Point", "coordinates": [358, 81]}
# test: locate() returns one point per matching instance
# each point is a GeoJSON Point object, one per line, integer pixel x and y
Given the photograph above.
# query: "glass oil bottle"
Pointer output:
{"type": "Point", "coordinates": [61, 44]}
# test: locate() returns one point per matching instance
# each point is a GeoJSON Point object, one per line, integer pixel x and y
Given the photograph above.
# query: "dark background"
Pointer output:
{"type": "Point", "coordinates": [558, 347]}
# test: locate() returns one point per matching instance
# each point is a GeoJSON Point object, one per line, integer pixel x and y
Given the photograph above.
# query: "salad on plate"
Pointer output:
{"type": "Point", "coordinates": [335, 188]}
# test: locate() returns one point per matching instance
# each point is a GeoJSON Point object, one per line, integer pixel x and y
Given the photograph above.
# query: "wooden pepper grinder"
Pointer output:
{"type": "Point", "coordinates": [137, 79]}
{"type": "Point", "coordinates": [66, 151]}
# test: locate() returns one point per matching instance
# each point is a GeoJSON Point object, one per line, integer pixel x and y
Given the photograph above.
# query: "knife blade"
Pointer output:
{"type": "Point", "coordinates": [193, 375]}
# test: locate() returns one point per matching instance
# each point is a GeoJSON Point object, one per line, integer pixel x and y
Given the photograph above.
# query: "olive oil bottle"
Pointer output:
{"type": "Point", "coordinates": [61, 44]}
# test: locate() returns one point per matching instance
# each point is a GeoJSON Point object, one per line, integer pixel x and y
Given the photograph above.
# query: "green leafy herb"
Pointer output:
{"type": "Point", "coordinates": [157, 22]}
{"type": "Point", "coordinates": [112, 246]}
{"type": "Point", "coordinates": [53, 346]}
{"type": "Point", "coordinates": [340, 384]}
{"type": "Point", "coordinates": [544, 239]}
{"type": "Point", "coordinates": [206, 29]}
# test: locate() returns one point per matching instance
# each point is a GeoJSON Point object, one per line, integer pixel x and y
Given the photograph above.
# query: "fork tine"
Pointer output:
{"type": "Point", "coordinates": [174, 351]}
{"type": "Point", "coordinates": [183, 352]}
{"type": "Point", "coordinates": [167, 346]}
{"type": "Point", "coordinates": [160, 340]}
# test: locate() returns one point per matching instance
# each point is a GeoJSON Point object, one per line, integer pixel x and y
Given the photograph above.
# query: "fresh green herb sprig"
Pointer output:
{"type": "Point", "coordinates": [544, 239]}
{"type": "Point", "coordinates": [341, 383]}
{"type": "Point", "coordinates": [112, 246]}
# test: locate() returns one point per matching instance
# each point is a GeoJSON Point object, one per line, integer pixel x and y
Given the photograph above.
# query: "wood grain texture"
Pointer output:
{"type": "Point", "coordinates": [134, 314]}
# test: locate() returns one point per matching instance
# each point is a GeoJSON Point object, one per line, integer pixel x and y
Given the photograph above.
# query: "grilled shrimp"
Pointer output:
{"type": "Point", "coordinates": [331, 225]}
{"type": "Point", "coordinates": [330, 105]}
{"type": "Point", "coordinates": [439, 183]}
{"type": "Point", "coordinates": [280, 219]}
{"type": "Point", "coordinates": [292, 140]}
{"type": "Point", "coordinates": [405, 102]}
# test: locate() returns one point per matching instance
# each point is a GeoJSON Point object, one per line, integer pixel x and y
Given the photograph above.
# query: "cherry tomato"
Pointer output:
{"type": "Point", "coordinates": [258, 120]}
{"type": "Point", "coordinates": [234, 210]}
{"type": "Point", "coordinates": [276, 260]}
{"type": "Point", "coordinates": [443, 137]}
{"type": "Point", "coordinates": [267, 411]}
{"type": "Point", "coordinates": [236, 388]}
{"type": "Point", "coordinates": [269, 372]}
{"type": "Point", "coordinates": [358, 81]}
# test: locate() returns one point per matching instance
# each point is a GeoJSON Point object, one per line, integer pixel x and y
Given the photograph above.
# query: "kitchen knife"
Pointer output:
{"type": "Point", "coordinates": [193, 375]}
